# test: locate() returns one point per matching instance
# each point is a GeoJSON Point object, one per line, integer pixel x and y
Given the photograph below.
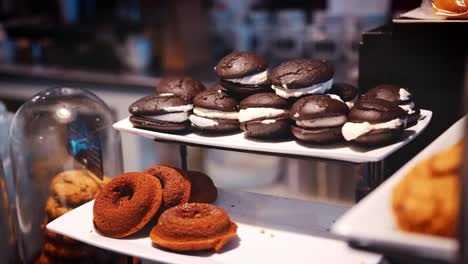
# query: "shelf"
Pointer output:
{"type": "Point", "coordinates": [238, 142]}
{"type": "Point", "coordinates": [270, 230]}
{"type": "Point", "coordinates": [382, 233]}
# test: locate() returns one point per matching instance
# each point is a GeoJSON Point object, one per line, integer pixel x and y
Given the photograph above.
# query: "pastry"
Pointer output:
{"type": "Point", "coordinates": [451, 6]}
{"type": "Point", "coordinates": [182, 86]}
{"type": "Point", "coordinates": [374, 122]}
{"type": "Point", "coordinates": [193, 226]}
{"type": "Point", "coordinates": [54, 209]}
{"type": "Point", "coordinates": [126, 204]}
{"type": "Point", "coordinates": [427, 199]}
{"type": "Point", "coordinates": [176, 185]}
{"type": "Point", "coordinates": [318, 118]}
{"type": "Point", "coordinates": [243, 73]}
{"type": "Point", "coordinates": [347, 92]}
{"type": "Point", "coordinates": [75, 187]}
{"type": "Point", "coordinates": [403, 97]}
{"type": "Point", "coordinates": [296, 78]}
{"type": "Point", "coordinates": [216, 111]}
{"type": "Point", "coordinates": [161, 112]}
{"type": "Point", "coordinates": [203, 189]}
{"type": "Point", "coordinates": [264, 115]}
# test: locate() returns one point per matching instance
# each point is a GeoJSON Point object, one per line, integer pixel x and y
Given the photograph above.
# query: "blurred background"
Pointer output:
{"type": "Point", "coordinates": [119, 49]}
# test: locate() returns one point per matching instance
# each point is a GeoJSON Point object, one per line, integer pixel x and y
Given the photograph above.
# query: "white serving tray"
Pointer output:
{"type": "Point", "coordinates": [270, 230]}
{"type": "Point", "coordinates": [371, 221]}
{"type": "Point", "coordinates": [342, 152]}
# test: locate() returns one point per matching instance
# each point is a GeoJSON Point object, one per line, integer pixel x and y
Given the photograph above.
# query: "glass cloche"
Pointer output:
{"type": "Point", "coordinates": [63, 150]}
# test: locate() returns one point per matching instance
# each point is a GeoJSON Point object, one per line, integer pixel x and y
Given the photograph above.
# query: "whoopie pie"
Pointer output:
{"type": "Point", "coordinates": [401, 96]}
{"type": "Point", "coordinates": [214, 110]}
{"type": "Point", "coordinates": [318, 118]}
{"type": "Point", "coordinates": [264, 115]}
{"type": "Point", "coordinates": [243, 73]}
{"type": "Point", "coordinates": [347, 92]}
{"type": "Point", "coordinates": [299, 77]}
{"type": "Point", "coordinates": [182, 86]}
{"type": "Point", "coordinates": [374, 122]}
{"type": "Point", "coordinates": [161, 112]}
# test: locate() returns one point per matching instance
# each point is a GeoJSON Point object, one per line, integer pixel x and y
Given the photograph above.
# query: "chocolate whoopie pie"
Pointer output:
{"type": "Point", "coordinates": [347, 92]}
{"type": "Point", "coordinates": [243, 73]}
{"type": "Point", "coordinates": [318, 118]}
{"type": "Point", "coordinates": [374, 122]}
{"type": "Point", "coordinates": [264, 115]}
{"type": "Point", "coordinates": [398, 95]}
{"type": "Point", "coordinates": [183, 86]}
{"type": "Point", "coordinates": [161, 112]}
{"type": "Point", "coordinates": [214, 110]}
{"type": "Point", "coordinates": [299, 77]}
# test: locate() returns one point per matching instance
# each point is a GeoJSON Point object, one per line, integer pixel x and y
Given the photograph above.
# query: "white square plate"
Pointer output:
{"type": "Point", "coordinates": [371, 221]}
{"type": "Point", "coordinates": [270, 230]}
{"type": "Point", "coordinates": [342, 152]}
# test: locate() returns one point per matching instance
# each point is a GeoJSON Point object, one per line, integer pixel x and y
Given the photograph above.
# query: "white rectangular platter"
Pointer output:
{"type": "Point", "coordinates": [341, 152]}
{"type": "Point", "coordinates": [371, 221]}
{"type": "Point", "coordinates": [270, 230]}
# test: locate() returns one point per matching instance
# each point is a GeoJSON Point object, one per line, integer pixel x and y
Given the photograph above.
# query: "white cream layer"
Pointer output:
{"type": "Point", "coordinates": [404, 95]}
{"type": "Point", "coordinates": [202, 122]}
{"type": "Point", "coordinates": [319, 88]}
{"type": "Point", "coordinates": [257, 78]}
{"type": "Point", "coordinates": [408, 107]}
{"type": "Point", "coordinates": [171, 117]}
{"type": "Point", "coordinates": [268, 121]}
{"type": "Point", "coordinates": [323, 122]}
{"type": "Point", "coordinates": [351, 131]}
{"type": "Point", "coordinates": [209, 113]}
{"type": "Point", "coordinates": [252, 113]}
{"type": "Point", "coordinates": [180, 108]}
{"type": "Point", "coordinates": [351, 103]}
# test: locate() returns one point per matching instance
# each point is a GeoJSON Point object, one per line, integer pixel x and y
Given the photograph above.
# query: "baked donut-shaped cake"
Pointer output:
{"type": "Point", "coordinates": [193, 226]}
{"type": "Point", "coordinates": [203, 188]}
{"type": "Point", "coordinates": [176, 185]}
{"type": "Point", "coordinates": [126, 204]}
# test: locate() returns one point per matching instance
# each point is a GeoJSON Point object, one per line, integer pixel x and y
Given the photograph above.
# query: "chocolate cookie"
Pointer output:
{"type": "Point", "coordinates": [374, 122]}
{"type": "Point", "coordinates": [398, 95]}
{"type": "Point", "coordinates": [161, 112]}
{"type": "Point", "coordinates": [243, 73]}
{"type": "Point", "coordinates": [215, 110]}
{"type": "Point", "coordinates": [299, 77]}
{"type": "Point", "coordinates": [182, 86]}
{"type": "Point", "coordinates": [264, 115]}
{"type": "Point", "coordinates": [347, 92]}
{"type": "Point", "coordinates": [318, 118]}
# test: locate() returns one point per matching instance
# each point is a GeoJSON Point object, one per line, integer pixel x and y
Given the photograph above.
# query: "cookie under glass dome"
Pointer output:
{"type": "Point", "coordinates": [63, 149]}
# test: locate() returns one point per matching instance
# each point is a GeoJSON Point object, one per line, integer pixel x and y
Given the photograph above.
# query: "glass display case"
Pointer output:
{"type": "Point", "coordinates": [63, 150]}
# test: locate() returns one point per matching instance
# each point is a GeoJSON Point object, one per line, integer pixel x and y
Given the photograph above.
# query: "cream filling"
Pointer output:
{"type": "Point", "coordinates": [252, 113]}
{"type": "Point", "coordinates": [323, 122]}
{"type": "Point", "coordinates": [257, 78]}
{"type": "Point", "coordinates": [408, 107]}
{"type": "Point", "coordinates": [268, 121]}
{"type": "Point", "coordinates": [202, 122]}
{"type": "Point", "coordinates": [319, 88]}
{"type": "Point", "coordinates": [171, 117]}
{"type": "Point", "coordinates": [351, 103]}
{"type": "Point", "coordinates": [404, 95]}
{"type": "Point", "coordinates": [180, 108]}
{"type": "Point", "coordinates": [335, 97]}
{"type": "Point", "coordinates": [209, 113]}
{"type": "Point", "coordinates": [165, 94]}
{"type": "Point", "coordinates": [352, 131]}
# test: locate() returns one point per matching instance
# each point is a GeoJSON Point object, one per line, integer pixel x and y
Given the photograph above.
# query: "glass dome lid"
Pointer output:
{"type": "Point", "coordinates": [57, 131]}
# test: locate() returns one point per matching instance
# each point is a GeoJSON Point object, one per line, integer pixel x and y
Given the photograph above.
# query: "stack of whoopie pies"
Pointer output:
{"type": "Point", "coordinates": [297, 97]}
